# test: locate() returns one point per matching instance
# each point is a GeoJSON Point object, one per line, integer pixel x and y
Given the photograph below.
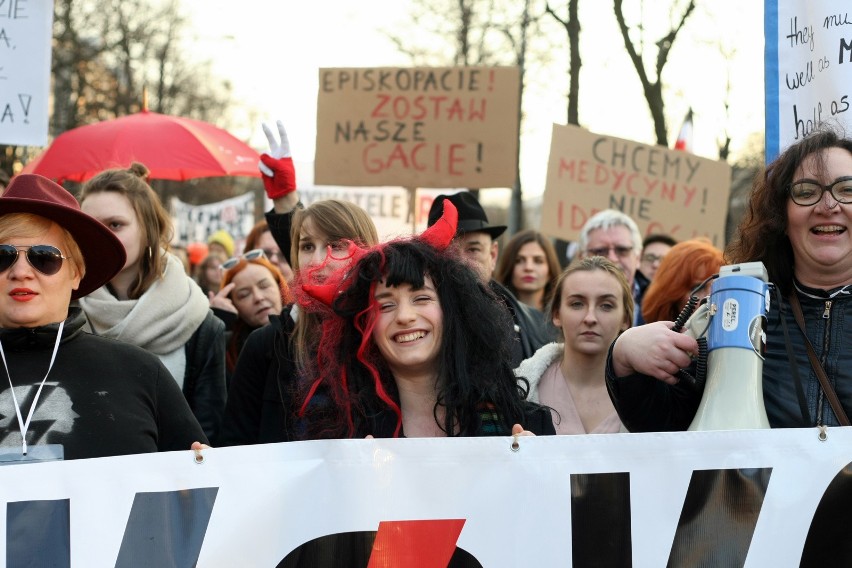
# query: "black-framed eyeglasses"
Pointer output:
{"type": "Point", "coordinates": [250, 255]}
{"type": "Point", "coordinates": [47, 259]}
{"type": "Point", "coordinates": [809, 192]}
{"type": "Point", "coordinates": [620, 251]}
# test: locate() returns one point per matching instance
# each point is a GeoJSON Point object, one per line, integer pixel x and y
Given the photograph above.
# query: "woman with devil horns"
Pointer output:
{"type": "Point", "coordinates": [414, 348]}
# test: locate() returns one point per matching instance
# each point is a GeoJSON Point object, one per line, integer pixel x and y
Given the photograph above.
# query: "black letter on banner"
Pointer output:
{"type": "Point", "coordinates": [38, 533]}
{"type": "Point", "coordinates": [828, 542]}
{"type": "Point", "coordinates": [166, 528]}
{"type": "Point", "coordinates": [600, 519]}
{"type": "Point", "coordinates": [718, 517]}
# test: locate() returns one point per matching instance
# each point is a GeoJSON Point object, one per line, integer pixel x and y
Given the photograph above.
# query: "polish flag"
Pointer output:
{"type": "Point", "coordinates": [684, 139]}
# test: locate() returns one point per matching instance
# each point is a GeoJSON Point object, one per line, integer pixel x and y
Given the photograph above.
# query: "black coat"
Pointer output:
{"type": "Point", "coordinates": [102, 397]}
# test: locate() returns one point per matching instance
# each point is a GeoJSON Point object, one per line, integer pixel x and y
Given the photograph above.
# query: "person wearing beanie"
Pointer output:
{"type": "Point", "coordinates": [222, 242]}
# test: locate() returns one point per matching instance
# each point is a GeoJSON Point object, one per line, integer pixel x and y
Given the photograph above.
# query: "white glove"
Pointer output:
{"type": "Point", "coordinates": [276, 150]}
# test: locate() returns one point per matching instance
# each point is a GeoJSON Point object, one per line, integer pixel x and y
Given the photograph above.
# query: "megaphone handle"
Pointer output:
{"type": "Point", "coordinates": [697, 381]}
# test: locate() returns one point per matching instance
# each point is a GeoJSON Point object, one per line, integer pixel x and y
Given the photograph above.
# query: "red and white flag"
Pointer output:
{"type": "Point", "coordinates": [684, 138]}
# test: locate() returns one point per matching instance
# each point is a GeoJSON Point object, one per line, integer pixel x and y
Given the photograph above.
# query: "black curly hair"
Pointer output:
{"type": "Point", "coordinates": [474, 370]}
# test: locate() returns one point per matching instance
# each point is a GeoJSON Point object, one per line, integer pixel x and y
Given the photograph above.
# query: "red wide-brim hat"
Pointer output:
{"type": "Point", "coordinates": [103, 253]}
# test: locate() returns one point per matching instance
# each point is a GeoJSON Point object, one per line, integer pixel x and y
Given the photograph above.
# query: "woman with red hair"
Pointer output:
{"type": "Point", "coordinates": [253, 289]}
{"type": "Point", "coordinates": [686, 265]}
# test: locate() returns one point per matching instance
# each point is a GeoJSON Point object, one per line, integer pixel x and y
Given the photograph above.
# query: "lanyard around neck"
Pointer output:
{"type": "Point", "coordinates": [24, 426]}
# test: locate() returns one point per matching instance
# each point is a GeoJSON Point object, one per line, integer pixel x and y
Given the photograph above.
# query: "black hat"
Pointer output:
{"type": "Point", "coordinates": [472, 218]}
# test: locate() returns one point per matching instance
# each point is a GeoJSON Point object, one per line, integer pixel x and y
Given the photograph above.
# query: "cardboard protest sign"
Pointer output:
{"type": "Point", "coordinates": [26, 29]}
{"type": "Point", "coordinates": [664, 191]}
{"type": "Point", "coordinates": [417, 127]}
{"type": "Point", "coordinates": [808, 69]}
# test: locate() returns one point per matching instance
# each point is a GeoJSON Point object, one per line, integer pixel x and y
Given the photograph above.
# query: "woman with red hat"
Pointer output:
{"type": "Point", "coordinates": [72, 394]}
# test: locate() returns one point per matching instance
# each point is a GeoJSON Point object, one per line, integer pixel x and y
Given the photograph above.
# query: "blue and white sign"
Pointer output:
{"type": "Point", "coordinates": [808, 69]}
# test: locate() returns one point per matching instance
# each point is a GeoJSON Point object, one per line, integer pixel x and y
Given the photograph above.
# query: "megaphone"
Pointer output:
{"type": "Point", "coordinates": [733, 322]}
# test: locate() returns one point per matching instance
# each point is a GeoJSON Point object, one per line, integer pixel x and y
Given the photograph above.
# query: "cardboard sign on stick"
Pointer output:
{"type": "Point", "coordinates": [417, 127]}
{"type": "Point", "coordinates": [664, 191]}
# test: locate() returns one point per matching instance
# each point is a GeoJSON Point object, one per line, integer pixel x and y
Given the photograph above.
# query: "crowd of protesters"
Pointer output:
{"type": "Point", "coordinates": [316, 329]}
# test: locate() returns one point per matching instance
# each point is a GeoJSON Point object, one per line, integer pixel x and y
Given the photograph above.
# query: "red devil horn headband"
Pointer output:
{"type": "Point", "coordinates": [441, 234]}
{"type": "Point", "coordinates": [321, 292]}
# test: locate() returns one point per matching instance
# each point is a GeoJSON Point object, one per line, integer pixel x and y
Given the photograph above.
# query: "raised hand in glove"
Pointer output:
{"type": "Point", "coordinates": [279, 175]}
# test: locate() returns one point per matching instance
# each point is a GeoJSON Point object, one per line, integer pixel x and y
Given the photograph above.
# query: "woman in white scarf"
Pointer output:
{"type": "Point", "coordinates": [592, 304]}
{"type": "Point", "coordinates": [152, 302]}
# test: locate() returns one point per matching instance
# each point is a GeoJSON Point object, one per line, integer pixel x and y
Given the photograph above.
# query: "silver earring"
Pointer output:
{"type": "Point", "coordinates": [149, 253]}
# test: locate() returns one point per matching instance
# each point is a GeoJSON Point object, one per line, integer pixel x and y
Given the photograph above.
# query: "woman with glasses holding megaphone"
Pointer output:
{"type": "Point", "coordinates": [799, 225]}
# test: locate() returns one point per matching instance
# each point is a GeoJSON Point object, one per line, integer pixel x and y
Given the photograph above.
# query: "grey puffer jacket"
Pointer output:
{"type": "Point", "coordinates": [791, 390]}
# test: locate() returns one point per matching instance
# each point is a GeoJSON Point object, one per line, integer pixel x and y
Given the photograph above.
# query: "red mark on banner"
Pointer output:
{"type": "Point", "coordinates": [559, 214]}
{"type": "Point", "coordinates": [425, 544]}
{"type": "Point", "coordinates": [479, 157]}
{"type": "Point", "coordinates": [491, 80]}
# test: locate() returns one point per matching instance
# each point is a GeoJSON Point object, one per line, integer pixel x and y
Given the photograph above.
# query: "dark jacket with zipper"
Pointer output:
{"type": "Point", "coordinates": [791, 393]}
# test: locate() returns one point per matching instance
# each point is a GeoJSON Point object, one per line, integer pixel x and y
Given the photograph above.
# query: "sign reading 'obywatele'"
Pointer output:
{"type": "Point", "coordinates": [417, 127]}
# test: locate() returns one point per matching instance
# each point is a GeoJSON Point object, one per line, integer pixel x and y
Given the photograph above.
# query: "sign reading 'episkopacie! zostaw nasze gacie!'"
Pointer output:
{"type": "Point", "coordinates": [417, 127]}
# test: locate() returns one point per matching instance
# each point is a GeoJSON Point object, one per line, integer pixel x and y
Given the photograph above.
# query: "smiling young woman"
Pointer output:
{"type": "Point", "coordinates": [394, 362]}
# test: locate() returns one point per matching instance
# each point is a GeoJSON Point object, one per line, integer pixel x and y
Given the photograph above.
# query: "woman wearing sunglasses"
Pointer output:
{"type": "Point", "coordinates": [253, 290]}
{"type": "Point", "coordinates": [151, 302]}
{"type": "Point", "coordinates": [60, 386]}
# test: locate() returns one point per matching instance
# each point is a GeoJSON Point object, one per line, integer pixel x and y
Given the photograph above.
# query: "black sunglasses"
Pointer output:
{"type": "Point", "coordinates": [250, 255]}
{"type": "Point", "coordinates": [46, 259]}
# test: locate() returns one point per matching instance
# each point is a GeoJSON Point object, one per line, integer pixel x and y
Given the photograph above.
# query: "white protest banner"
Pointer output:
{"type": "Point", "coordinates": [26, 29]}
{"type": "Point", "coordinates": [388, 207]}
{"type": "Point", "coordinates": [808, 68]}
{"type": "Point", "coordinates": [417, 127]}
{"type": "Point", "coordinates": [664, 191]}
{"type": "Point", "coordinates": [739, 498]}
{"type": "Point", "coordinates": [194, 223]}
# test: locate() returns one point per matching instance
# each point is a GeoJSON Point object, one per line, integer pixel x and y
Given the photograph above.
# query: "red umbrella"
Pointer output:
{"type": "Point", "coordinates": [171, 147]}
